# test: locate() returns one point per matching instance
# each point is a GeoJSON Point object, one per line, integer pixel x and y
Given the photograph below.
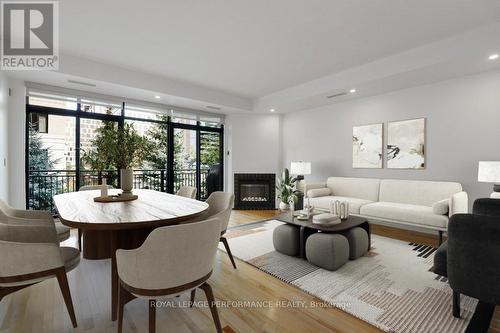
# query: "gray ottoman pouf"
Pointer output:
{"type": "Point", "coordinates": [329, 251]}
{"type": "Point", "coordinates": [358, 242]}
{"type": "Point", "coordinates": [286, 239]}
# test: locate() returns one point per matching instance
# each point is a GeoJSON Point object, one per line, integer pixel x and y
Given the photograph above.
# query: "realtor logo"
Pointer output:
{"type": "Point", "coordinates": [30, 35]}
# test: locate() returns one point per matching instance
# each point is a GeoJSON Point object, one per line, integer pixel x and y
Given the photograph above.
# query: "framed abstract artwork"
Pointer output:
{"type": "Point", "coordinates": [367, 145]}
{"type": "Point", "coordinates": [406, 144]}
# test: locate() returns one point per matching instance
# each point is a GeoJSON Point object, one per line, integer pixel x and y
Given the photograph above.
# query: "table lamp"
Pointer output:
{"type": "Point", "coordinates": [300, 169]}
{"type": "Point", "coordinates": [489, 172]}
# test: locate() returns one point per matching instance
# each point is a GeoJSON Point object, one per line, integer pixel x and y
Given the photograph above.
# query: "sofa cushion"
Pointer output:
{"type": "Point", "coordinates": [318, 192]}
{"type": "Point", "coordinates": [362, 188]}
{"type": "Point", "coordinates": [416, 214]}
{"type": "Point", "coordinates": [325, 202]}
{"type": "Point", "coordinates": [416, 192]}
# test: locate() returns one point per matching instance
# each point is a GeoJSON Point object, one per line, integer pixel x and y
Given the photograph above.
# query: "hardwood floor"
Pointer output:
{"type": "Point", "coordinates": [40, 308]}
{"type": "Point", "coordinates": [247, 216]}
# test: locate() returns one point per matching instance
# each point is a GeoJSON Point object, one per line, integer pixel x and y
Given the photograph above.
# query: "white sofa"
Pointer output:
{"type": "Point", "coordinates": [408, 202]}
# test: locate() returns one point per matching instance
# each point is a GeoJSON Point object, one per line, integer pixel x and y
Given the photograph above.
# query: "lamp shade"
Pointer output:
{"type": "Point", "coordinates": [300, 168]}
{"type": "Point", "coordinates": [489, 172]}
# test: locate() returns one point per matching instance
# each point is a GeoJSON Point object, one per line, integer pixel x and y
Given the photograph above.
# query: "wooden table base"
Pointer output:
{"type": "Point", "coordinates": [103, 245]}
{"type": "Point", "coordinates": [96, 243]}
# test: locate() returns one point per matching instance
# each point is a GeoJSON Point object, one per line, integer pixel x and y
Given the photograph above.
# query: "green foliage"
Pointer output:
{"type": "Point", "coordinates": [183, 159]}
{"type": "Point", "coordinates": [39, 160]}
{"type": "Point", "coordinates": [156, 157]}
{"type": "Point", "coordinates": [286, 187]}
{"type": "Point", "coordinates": [38, 156]}
{"type": "Point", "coordinates": [210, 150]}
{"type": "Point", "coordinates": [116, 147]}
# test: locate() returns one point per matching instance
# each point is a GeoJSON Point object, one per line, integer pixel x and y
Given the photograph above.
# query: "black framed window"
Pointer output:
{"type": "Point", "coordinates": [188, 147]}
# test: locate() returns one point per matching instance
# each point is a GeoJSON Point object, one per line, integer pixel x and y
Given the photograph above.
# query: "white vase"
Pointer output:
{"type": "Point", "coordinates": [284, 206]}
{"type": "Point", "coordinates": [127, 181]}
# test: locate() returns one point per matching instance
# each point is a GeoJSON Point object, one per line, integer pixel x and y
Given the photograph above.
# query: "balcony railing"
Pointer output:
{"type": "Point", "coordinates": [44, 184]}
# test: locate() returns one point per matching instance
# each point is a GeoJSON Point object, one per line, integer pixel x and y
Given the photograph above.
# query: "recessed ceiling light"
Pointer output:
{"type": "Point", "coordinates": [272, 110]}
{"type": "Point", "coordinates": [493, 56]}
{"type": "Point", "coordinates": [352, 91]}
{"type": "Point", "coordinates": [157, 97]}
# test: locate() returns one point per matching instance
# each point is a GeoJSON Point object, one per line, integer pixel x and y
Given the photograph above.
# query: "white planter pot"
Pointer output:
{"type": "Point", "coordinates": [127, 181]}
{"type": "Point", "coordinates": [284, 206]}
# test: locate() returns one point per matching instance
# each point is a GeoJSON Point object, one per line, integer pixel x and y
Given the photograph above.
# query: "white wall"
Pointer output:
{"type": "Point", "coordinates": [4, 95]}
{"type": "Point", "coordinates": [253, 145]}
{"type": "Point", "coordinates": [16, 138]}
{"type": "Point", "coordinates": [463, 117]}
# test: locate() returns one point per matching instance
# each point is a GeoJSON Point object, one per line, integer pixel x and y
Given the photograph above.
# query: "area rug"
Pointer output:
{"type": "Point", "coordinates": [392, 287]}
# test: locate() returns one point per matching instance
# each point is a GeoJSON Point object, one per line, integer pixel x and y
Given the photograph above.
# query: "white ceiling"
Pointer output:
{"type": "Point", "coordinates": [254, 55]}
{"type": "Point", "coordinates": [256, 47]}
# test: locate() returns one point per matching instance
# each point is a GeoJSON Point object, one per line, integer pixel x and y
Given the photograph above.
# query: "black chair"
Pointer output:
{"type": "Point", "coordinates": [214, 179]}
{"type": "Point", "coordinates": [470, 258]}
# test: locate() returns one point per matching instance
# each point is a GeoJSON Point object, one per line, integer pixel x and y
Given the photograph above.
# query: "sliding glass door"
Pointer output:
{"type": "Point", "coordinates": [185, 158]}
{"type": "Point", "coordinates": [210, 163]}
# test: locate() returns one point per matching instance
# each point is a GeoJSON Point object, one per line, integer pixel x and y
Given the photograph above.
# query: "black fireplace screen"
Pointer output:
{"type": "Point", "coordinates": [254, 191]}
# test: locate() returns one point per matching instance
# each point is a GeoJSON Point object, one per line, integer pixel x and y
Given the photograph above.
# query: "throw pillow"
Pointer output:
{"type": "Point", "coordinates": [318, 192]}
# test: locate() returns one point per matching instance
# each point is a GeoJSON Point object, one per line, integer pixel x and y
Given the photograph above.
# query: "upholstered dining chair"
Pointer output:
{"type": "Point", "coordinates": [63, 232]}
{"type": "Point", "coordinates": [88, 188]}
{"type": "Point", "coordinates": [172, 260]}
{"type": "Point", "coordinates": [187, 192]}
{"type": "Point", "coordinates": [220, 206]}
{"type": "Point", "coordinates": [31, 254]}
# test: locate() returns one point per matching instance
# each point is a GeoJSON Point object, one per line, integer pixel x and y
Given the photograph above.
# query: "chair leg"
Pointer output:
{"type": "Point", "coordinates": [481, 319]}
{"type": "Point", "coordinates": [121, 306]}
{"type": "Point", "coordinates": [456, 304]}
{"type": "Point", "coordinates": [226, 245]}
{"type": "Point", "coordinates": [80, 239]}
{"type": "Point", "coordinates": [63, 285]}
{"type": "Point", "coordinates": [213, 307]}
{"type": "Point", "coordinates": [152, 316]}
{"type": "Point", "coordinates": [440, 237]}
{"type": "Point", "coordinates": [193, 295]}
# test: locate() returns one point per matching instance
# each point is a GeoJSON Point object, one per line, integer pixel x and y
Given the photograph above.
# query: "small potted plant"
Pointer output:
{"type": "Point", "coordinates": [131, 151]}
{"type": "Point", "coordinates": [286, 190]}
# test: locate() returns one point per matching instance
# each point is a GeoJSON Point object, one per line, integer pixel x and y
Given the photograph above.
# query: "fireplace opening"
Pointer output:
{"type": "Point", "coordinates": [254, 191]}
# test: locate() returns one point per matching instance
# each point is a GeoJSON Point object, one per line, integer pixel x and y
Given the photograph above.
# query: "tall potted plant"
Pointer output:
{"type": "Point", "coordinates": [286, 190]}
{"type": "Point", "coordinates": [118, 147]}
